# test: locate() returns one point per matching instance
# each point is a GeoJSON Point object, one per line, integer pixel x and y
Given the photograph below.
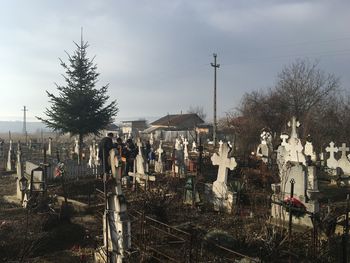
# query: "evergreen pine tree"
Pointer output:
{"type": "Point", "coordinates": [79, 108]}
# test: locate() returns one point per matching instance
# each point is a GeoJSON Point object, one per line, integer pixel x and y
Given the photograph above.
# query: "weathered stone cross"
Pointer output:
{"type": "Point", "coordinates": [284, 138]}
{"type": "Point", "coordinates": [332, 162]}
{"type": "Point", "coordinates": [223, 162]}
{"type": "Point", "coordinates": [160, 151]}
{"type": "Point", "coordinates": [343, 149]}
{"type": "Point", "coordinates": [294, 124]}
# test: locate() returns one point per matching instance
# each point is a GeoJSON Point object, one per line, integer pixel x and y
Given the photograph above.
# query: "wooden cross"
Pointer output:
{"type": "Point", "coordinates": [223, 162]}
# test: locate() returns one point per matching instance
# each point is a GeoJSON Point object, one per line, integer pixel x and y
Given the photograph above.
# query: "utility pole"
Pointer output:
{"type": "Point", "coordinates": [25, 122]}
{"type": "Point", "coordinates": [215, 66]}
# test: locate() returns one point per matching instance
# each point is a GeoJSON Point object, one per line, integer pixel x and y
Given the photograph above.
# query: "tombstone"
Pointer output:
{"type": "Point", "coordinates": [9, 166]}
{"type": "Point", "coordinates": [159, 163]}
{"type": "Point", "coordinates": [223, 198]}
{"type": "Point", "coordinates": [179, 164]}
{"type": "Point", "coordinates": [76, 146]}
{"type": "Point", "coordinates": [97, 158]}
{"type": "Point", "coordinates": [19, 164]}
{"type": "Point", "coordinates": [343, 162]}
{"type": "Point", "coordinates": [185, 143]}
{"type": "Point", "coordinates": [194, 147]}
{"type": "Point", "coordinates": [191, 195]}
{"type": "Point", "coordinates": [291, 165]}
{"type": "Point", "coordinates": [332, 163]}
{"type": "Point", "coordinates": [91, 157]}
{"type": "Point", "coordinates": [49, 148]}
{"type": "Point", "coordinates": [220, 146]}
{"type": "Point", "coordinates": [265, 148]}
{"type": "Point", "coordinates": [151, 139]}
{"type": "Point", "coordinates": [140, 163]}
{"type": "Point", "coordinates": [116, 224]}
{"type": "Point", "coordinates": [309, 150]}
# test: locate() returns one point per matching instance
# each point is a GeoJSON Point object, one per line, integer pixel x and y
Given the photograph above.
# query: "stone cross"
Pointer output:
{"type": "Point", "coordinates": [220, 146]}
{"type": "Point", "coordinates": [76, 148]}
{"type": "Point", "coordinates": [332, 162]}
{"type": "Point", "coordinates": [151, 139]}
{"type": "Point", "coordinates": [223, 162]}
{"type": "Point", "coordinates": [343, 162]}
{"type": "Point", "coordinates": [185, 149]}
{"type": "Point", "coordinates": [49, 148]}
{"type": "Point", "coordinates": [139, 144]}
{"type": "Point", "coordinates": [194, 146]}
{"type": "Point", "coordinates": [343, 149]}
{"type": "Point", "coordinates": [284, 138]}
{"type": "Point", "coordinates": [178, 144]}
{"type": "Point", "coordinates": [160, 151]}
{"type": "Point", "coordinates": [294, 124]}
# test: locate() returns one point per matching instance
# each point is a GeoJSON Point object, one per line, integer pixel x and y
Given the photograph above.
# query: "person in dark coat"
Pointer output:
{"type": "Point", "coordinates": [105, 145]}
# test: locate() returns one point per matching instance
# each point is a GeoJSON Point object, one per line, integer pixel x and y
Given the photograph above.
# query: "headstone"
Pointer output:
{"type": "Point", "coordinates": [140, 168]}
{"type": "Point", "coordinates": [76, 146]}
{"type": "Point", "coordinates": [185, 143]}
{"type": "Point", "coordinates": [220, 146]}
{"type": "Point", "coordinates": [223, 198]}
{"type": "Point", "coordinates": [194, 147]}
{"type": "Point", "coordinates": [159, 164]}
{"type": "Point", "coordinates": [343, 162]}
{"type": "Point", "coordinates": [331, 161]}
{"type": "Point", "coordinates": [116, 225]}
{"type": "Point", "coordinates": [309, 150]}
{"type": "Point", "coordinates": [9, 166]}
{"type": "Point", "coordinates": [263, 150]}
{"type": "Point", "coordinates": [294, 146]}
{"type": "Point", "coordinates": [49, 148]}
{"type": "Point", "coordinates": [151, 139]}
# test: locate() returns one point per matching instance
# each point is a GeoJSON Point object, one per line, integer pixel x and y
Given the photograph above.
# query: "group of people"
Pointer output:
{"type": "Point", "coordinates": [126, 152]}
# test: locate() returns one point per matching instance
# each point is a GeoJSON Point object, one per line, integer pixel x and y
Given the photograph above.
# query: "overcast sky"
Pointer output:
{"type": "Point", "coordinates": [156, 55]}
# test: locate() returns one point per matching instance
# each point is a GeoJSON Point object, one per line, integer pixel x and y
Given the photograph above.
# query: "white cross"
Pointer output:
{"type": "Point", "coordinates": [294, 124]}
{"type": "Point", "coordinates": [220, 146]}
{"type": "Point", "coordinates": [284, 138]}
{"type": "Point", "coordinates": [151, 139]}
{"type": "Point", "coordinates": [343, 149]}
{"type": "Point", "coordinates": [332, 162]}
{"type": "Point", "coordinates": [160, 151]}
{"type": "Point", "coordinates": [185, 149]}
{"type": "Point", "coordinates": [139, 144]}
{"type": "Point", "coordinates": [224, 162]}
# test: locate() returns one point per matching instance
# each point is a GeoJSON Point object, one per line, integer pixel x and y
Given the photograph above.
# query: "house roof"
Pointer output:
{"type": "Point", "coordinates": [112, 127]}
{"type": "Point", "coordinates": [176, 120]}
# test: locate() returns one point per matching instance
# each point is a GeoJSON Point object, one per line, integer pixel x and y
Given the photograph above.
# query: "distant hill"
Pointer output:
{"type": "Point", "coordinates": [17, 126]}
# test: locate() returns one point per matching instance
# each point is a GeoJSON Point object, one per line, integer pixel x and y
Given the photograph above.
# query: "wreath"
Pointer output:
{"type": "Point", "coordinates": [297, 208]}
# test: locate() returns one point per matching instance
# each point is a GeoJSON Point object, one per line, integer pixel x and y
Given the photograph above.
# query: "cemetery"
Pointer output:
{"type": "Point", "coordinates": [172, 202]}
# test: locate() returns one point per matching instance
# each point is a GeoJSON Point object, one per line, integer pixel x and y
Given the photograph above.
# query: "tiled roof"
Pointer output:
{"type": "Point", "coordinates": [177, 120]}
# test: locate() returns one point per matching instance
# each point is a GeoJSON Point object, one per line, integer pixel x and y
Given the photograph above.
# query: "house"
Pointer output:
{"type": "Point", "coordinates": [133, 127]}
{"type": "Point", "coordinates": [171, 126]}
{"type": "Point", "coordinates": [111, 128]}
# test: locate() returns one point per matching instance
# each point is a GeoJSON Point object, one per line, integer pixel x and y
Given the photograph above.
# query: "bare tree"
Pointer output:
{"type": "Point", "coordinates": [302, 90]}
{"type": "Point", "coordinates": [198, 110]}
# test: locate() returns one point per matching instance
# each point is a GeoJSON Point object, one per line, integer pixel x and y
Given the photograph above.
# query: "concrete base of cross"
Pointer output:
{"type": "Point", "coordinates": [223, 199]}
